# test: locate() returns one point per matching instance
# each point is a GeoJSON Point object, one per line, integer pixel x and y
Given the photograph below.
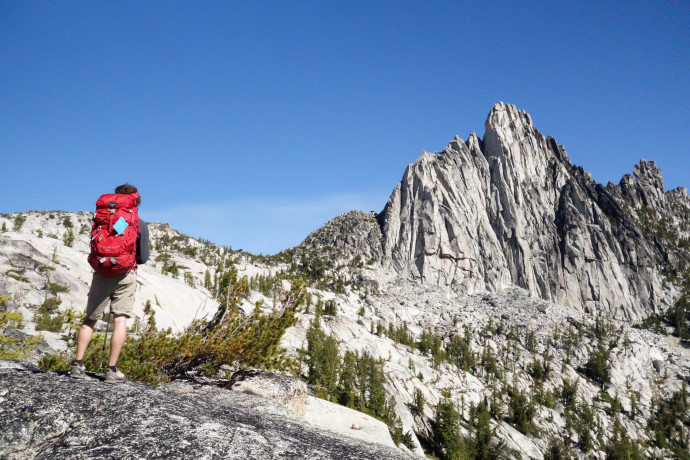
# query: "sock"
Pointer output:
{"type": "Point", "coordinates": [113, 368]}
{"type": "Point", "coordinates": [79, 362]}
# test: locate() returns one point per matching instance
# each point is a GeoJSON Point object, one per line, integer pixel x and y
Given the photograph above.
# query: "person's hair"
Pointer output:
{"type": "Point", "coordinates": [126, 189]}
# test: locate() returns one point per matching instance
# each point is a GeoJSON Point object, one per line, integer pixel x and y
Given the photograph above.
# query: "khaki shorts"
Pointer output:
{"type": "Point", "coordinates": [118, 291]}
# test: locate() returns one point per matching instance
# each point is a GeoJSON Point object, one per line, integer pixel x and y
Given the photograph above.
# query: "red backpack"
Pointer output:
{"type": "Point", "coordinates": [114, 234]}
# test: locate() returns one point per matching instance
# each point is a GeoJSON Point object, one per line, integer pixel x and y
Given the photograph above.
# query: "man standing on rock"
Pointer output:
{"type": "Point", "coordinates": [119, 241]}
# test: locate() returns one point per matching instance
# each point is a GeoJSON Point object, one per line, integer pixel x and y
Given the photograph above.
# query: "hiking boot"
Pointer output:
{"type": "Point", "coordinates": [77, 371]}
{"type": "Point", "coordinates": [114, 377]}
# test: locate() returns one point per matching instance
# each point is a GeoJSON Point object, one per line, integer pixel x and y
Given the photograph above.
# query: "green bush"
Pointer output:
{"type": "Point", "coordinates": [229, 338]}
{"type": "Point", "coordinates": [18, 222]}
{"type": "Point", "coordinates": [17, 274]}
{"type": "Point", "coordinates": [68, 238]}
{"type": "Point", "coordinates": [50, 304]}
{"type": "Point", "coordinates": [47, 322]}
{"type": "Point", "coordinates": [56, 288]}
{"type": "Point", "coordinates": [12, 347]}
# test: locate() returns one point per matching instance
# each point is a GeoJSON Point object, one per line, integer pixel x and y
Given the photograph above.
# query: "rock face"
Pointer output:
{"type": "Point", "coordinates": [352, 234]}
{"type": "Point", "coordinates": [34, 256]}
{"type": "Point", "coordinates": [45, 415]}
{"type": "Point", "coordinates": [512, 210]}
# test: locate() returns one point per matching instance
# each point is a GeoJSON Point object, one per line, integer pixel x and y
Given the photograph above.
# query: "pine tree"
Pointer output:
{"type": "Point", "coordinates": [448, 442]}
{"type": "Point", "coordinates": [377, 402]}
{"type": "Point", "coordinates": [568, 395]}
{"type": "Point", "coordinates": [520, 410]}
{"type": "Point", "coordinates": [480, 443]}
{"type": "Point", "coordinates": [18, 222]}
{"type": "Point", "coordinates": [584, 424]}
{"type": "Point", "coordinates": [150, 316]}
{"type": "Point", "coordinates": [347, 386]}
{"type": "Point", "coordinates": [558, 450]}
{"type": "Point", "coordinates": [323, 360]}
{"type": "Point", "coordinates": [459, 352]}
{"type": "Point", "coordinates": [619, 446]}
{"type": "Point", "coordinates": [597, 367]}
{"type": "Point", "coordinates": [419, 401]}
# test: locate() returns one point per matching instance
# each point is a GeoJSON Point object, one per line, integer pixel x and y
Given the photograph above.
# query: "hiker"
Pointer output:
{"type": "Point", "coordinates": [119, 241]}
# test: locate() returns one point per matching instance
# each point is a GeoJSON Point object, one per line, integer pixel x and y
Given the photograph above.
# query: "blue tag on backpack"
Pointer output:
{"type": "Point", "coordinates": [120, 226]}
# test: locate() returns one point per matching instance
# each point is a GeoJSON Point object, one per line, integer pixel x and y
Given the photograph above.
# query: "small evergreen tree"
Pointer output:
{"type": "Point", "coordinates": [480, 444]}
{"type": "Point", "coordinates": [520, 410]}
{"type": "Point", "coordinates": [323, 360]}
{"type": "Point", "coordinates": [208, 284]}
{"type": "Point", "coordinates": [18, 222]}
{"type": "Point", "coordinates": [68, 238]}
{"type": "Point", "coordinates": [448, 442]}
{"type": "Point", "coordinates": [419, 401]}
{"type": "Point", "coordinates": [347, 386]}
{"type": "Point", "coordinates": [619, 446]}
{"type": "Point", "coordinates": [330, 308]}
{"type": "Point", "coordinates": [531, 342]}
{"type": "Point", "coordinates": [557, 449]}
{"type": "Point", "coordinates": [670, 423]}
{"type": "Point", "coordinates": [597, 366]}
{"type": "Point", "coordinates": [568, 394]}
{"type": "Point", "coordinates": [459, 352]}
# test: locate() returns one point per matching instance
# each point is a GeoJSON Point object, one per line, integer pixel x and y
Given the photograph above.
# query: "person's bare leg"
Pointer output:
{"type": "Point", "coordinates": [117, 340]}
{"type": "Point", "coordinates": [84, 337]}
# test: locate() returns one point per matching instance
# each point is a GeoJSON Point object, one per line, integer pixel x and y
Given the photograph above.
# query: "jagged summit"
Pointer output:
{"type": "Point", "coordinates": [511, 210]}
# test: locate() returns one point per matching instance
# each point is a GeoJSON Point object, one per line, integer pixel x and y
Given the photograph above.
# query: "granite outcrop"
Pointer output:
{"type": "Point", "coordinates": [48, 415]}
{"type": "Point", "coordinates": [511, 209]}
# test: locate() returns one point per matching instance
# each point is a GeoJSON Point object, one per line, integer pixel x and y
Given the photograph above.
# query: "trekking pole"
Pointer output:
{"type": "Point", "coordinates": [104, 341]}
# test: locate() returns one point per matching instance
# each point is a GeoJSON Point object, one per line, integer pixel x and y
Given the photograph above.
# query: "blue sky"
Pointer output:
{"type": "Point", "coordinates": [253, 123]}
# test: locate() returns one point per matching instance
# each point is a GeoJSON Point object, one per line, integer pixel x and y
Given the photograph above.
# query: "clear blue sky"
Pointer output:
{"type": "Point", "coordinates": [251, 123]}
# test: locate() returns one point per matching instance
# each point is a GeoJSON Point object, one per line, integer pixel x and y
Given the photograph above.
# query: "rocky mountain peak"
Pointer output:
{"type": "Point", "coordinates": [511, 210]}
{"type": "Point", "coordinates": [679, 195]}
{"type": "Point", "coordinates": [646, 187]}
{"type": "Point", "coordinates": [504, 116]}
{"type": "Point", "coordinates": [647, 171]}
